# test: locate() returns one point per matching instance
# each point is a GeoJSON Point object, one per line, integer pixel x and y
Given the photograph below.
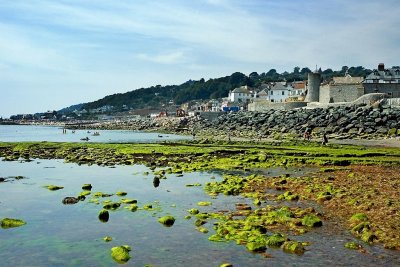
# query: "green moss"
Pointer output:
{"type": "Point", "coordinates": [121, 194]}
{"type": "Point", "coordinates": [167, 220]}
{"type": "Point", "coordinates": [358, 218]}
{"type": "Point", "coordinates": [196, 184]}
{"type": "Point", "coordinates": [104, 216]}
{"type": "Point", "coordinates": [368, 236]}
{"type": "Point", "coordinates": [288, 196]}
{"type": "Point", "coordinates": [54, 187]}
{"type": "Point", "coordinates": [101, 194]}
{"type": "Point", "coordinates": [256, 246]}
{"type": "Point", "coordinates": [84, 193]}
{"type": "Point", "coordinates": [311, 221]}
{"type": "Point", "coordinates": [120, 254]}
{"type": "Point", "coordinates": [226, 265]}
{"type": "Point", "coordinates": [202, 230]}
{"type": "Point", "coordinates": [11, 223]}
{"type": "Point", "coordinates": [148, 207]}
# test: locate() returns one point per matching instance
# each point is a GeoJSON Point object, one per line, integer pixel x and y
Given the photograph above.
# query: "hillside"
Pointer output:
{"type": "Point", "coordinates": [155, 96]}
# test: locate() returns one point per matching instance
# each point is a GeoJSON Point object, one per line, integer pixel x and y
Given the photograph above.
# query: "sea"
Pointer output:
{"type": "Point", "coordinates": [72, 235]}
{"type": "Point", "coordinates": [35, 133]}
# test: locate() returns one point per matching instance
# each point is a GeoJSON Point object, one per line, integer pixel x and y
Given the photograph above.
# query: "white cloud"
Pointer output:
{"type": "Point", "coordinates": [169, 58]}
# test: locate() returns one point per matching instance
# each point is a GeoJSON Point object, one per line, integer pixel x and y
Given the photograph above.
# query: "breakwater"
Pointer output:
{"type": "Point", "coordinates": [340, 122]}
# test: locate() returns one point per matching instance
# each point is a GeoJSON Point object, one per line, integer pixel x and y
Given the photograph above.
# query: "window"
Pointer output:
{"type": "Point", "coordinates": [272, 92]}
{"type": "Point", "coordinates": [283, 92]}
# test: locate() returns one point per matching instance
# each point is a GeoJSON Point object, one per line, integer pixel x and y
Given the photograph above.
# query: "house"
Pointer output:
{"type": "Point", "coordinates": [279, 92]}
{"type": "Point", "coordinates": [341, 89]}
{"type": "Point", "coordinates": [241, 94]}
{"type": "Point", "coordinates": [383, 80]}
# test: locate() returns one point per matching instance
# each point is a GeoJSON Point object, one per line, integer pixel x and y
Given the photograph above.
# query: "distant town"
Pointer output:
{"type": "Point", "coordinates": [312, 92]}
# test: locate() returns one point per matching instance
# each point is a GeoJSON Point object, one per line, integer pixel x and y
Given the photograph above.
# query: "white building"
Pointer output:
{"type": "Point", "coordinates": [279, 92]}
{"type": "Point", "coordinates": [240, 94]}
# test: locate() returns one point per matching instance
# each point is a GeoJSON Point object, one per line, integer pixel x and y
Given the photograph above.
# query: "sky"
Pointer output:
{"type": "Point", "coordinates": [57, 53]}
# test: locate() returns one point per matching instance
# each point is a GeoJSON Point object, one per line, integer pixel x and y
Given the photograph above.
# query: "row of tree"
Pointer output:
{"type": "Point", "coordinates": [156, 96]}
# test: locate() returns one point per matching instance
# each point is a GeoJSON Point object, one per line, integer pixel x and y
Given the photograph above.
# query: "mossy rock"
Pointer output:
{"type": "Point", "coordinates": [148, 207]}
{"type": "Point", "coordinates": [133, 207]}
{"type": "Point", "coordinates": [275, 240]}
{"type": "Point", "coordinates": [87, 187]}
{"type": "Point", "coordinates": [293, 247]}
{"type": "Point", "coordinates": [256, 246]}
{"type": "Point", "coordinates": [101, 194]}
{"type": "Point", "coordinates": [54, 187]}
{"type": "Point", "coordinates": [112, 206]}
{"type": "Point", "coordinates": [226, 265]}
{"type": "Point", "coordinates": [121, 193]}
{"type": "Point", "coordinates": [11, 223]}
{"type": "Point", "coordinates": [193, 211]}
{"type": "Point", "coordinates": [204, 203]}
{"type": "Point", "coordinates": [128, 201]}
{"type": "Point", "coordinates": [368, 236]}
{"type": "Point", "coordinates": [352, 245]}
{"type": "Point", "coordinates": [85, 193]}
{"type": "Point", "coordinates": [104, 216]}
{"type": "Point", "coordinates": [361, 227]}
{"type": "Point", "coordinates": [167, 220]}
{"type": "Point", "coordinates": [257, 202]}
{"type": "Point", "coordinates": [202, 230]}
{"type": "Point", "coordinates": [107, 238]}
{"type": "Point", "coordinates": [121, 254]}
{"type": "Point", "coordinates": [311, 221]}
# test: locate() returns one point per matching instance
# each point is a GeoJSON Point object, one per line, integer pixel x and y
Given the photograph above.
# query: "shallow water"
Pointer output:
{"type": "Point", "coordinates": [25, 133]}
{"type": "Point", "coordinates": [71, 235]}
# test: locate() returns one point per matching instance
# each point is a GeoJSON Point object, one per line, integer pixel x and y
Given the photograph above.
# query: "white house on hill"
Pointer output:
{"type": "Point", "coordinates": [240, 94]}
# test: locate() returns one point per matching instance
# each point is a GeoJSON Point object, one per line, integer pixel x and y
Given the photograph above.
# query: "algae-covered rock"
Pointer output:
{"type": "Point", "coordinates": [193, 211]}
{"type": "Point", "coordinates": [121, 194]}
{"type": "Point", "coordinates": [54, 187]}
{"type": "Point", "coordinates": [85, 193]}
{"type": "Point", "coordinates": [10, 223]}
{"type": "Point", "coordinates": [104, 216]}
{"type": "Point", "coordinates": [204, 203]}
{"type": "Point", "coordinates": [275, 240]}
{"type": "Point", "coordinates": [70, 200]}
{"type": "Point", "coordinates": [368, 236]}
{"type": "Point", "coordinates": [256, 246]}
{"type": "Point", "coordinates": [121, 254]}
{"type": "Point", "coordinates": [112, 206]}
{"type": "Point", "coordinates": [293, 247]}
{"type": "Point", "coordinates": [352, 245]}
{"type": "Point", "coordinates": [226, 265]}
{"type": "Point", "coordinates": [101, 194]}
{"type": "Point", "coordinates": [167, 220]}
{"type": "Point", "coordinates": [311, 221]}
{"type": "Point", "coordinates": [107, 238]}
{"type": "Point", "coordinates": [87, 187]}
{"type": "Point", "coordinates": [148, 206]}
{"type": "Point", "coordinates": [128, 201]}
{"type": "Point", "coordinates": [133, 207]}
{"type": "Point", "coordinates": [257, 202]}
{"type": "Point", "coordinates": [202, 230]}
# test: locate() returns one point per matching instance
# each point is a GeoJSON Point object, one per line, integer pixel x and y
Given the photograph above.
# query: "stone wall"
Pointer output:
{"type": "Point", "coordinates": [334, 93]}
{"type": "Point", "coordinates": [264, 105]}
{"type": "Point", "coordinates": [392, 89]}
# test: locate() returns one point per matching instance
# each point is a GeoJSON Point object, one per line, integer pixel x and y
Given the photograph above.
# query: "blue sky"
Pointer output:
{"type": "Point", "coordinates": [57, 53]}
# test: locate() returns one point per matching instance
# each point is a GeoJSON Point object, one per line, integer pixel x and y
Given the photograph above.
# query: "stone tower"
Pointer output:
{"type": "Point", "coordinates": [314, 81]}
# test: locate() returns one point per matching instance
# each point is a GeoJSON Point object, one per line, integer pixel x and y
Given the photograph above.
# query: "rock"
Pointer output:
{"type": "Point", "coordinates": [167, 220]}
{"type": "Point", "coordinates": [70, 200]}
{"type": "Point", "coordinates": [276, 240]}
{"type": "Point", "coordinates": [54, 187]}
{"type": "Point", "coordinates": [121, 194]}
{"type": "Point", "coordinates": [204, 203]}
{"type": "Point", "coordinates": [311, 221]}
{"type": "Point", "coordinates": [107, 238]}
{"type": "Point", "coordinates": [293, 247]}
{"type": "Point", "coordinates": [104, 216]}
{"type": "Point", "coordinates": [352, 245]}
{"type": "Point", "coordinates": [87, 187]}
{"type": "Point", "coordinates": [11, 223]}
{"type": "Point", "coordinates": [121, 254]}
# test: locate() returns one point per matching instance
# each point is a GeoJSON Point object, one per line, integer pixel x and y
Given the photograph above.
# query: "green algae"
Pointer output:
{"type": "Point", "coordinates": [202, 230]}
{"type": "Point", "coordinates": [121, 193]}
{"type": "Point", "coordinates": [193, 211]}
{"type": "Point", "coordinates": [226, 265]}
{"type": "Point", "coordinates": [121, 254]}
{"type": "Point", "coordinates": [112, 206]}
{"type": "Point", "coordinates": [293, 247]}
{"type": "Point", "coordinates": [133, 207]}
{"type": "Point", "coordinates": [167, 220]}
{"type": "Point", "coordinates": [11, 223]}
{"type": "Point", "coordinates": [128, 201]}
{"type": "Point", "coordinates": [288, 196]}
{"type": "Point", "coordinates": [101, 194]}
{"type": "Point", "coordinates": [275, 240]}
{"type": "Point", "coordinates": [84, 193]}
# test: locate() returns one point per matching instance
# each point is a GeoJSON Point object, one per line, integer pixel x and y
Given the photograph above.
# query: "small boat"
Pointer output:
{"type": "Point", "coordinates": [96, 134]}
{"type": "Point", "coordinates": [160, 136]}
{"type": "Point", "coordinates": [85, 139]}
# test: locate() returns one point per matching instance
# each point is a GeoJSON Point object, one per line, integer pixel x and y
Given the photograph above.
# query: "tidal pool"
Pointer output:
{"type": "Point", "coordinates": [72, 235]}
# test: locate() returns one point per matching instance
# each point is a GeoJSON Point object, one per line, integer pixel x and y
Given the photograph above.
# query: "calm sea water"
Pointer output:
{"type": "Point", "coordinates": [23, 133]}
{"type": "Point", "coordinates": [72, 235]}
